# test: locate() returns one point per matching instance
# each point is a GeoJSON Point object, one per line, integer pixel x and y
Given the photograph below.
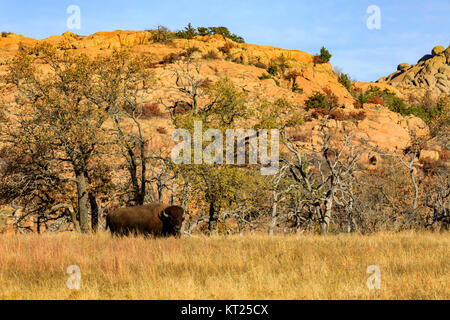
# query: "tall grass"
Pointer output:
{"type": "Point", "coordinates": [413, 266]}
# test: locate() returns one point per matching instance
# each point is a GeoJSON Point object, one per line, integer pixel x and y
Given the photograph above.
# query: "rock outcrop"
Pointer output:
{"type": "Point", "coordinates": [432, 72]}
{"type": "Point", "coordinates": [244, 64]}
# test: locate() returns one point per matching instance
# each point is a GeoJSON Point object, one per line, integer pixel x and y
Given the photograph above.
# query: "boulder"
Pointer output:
{"type": "Point", "coordinates": [429, 156]}
{"type": "Point", "coordinates": [403, 66]}
{"type": "Point", "coordinates": [426, 75]}
{"type": "Point", "coordinates": [437, 50]}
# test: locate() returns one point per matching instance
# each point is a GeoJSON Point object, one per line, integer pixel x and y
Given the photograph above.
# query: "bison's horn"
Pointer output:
{"type": "Point", "coordinates": [164, 214]}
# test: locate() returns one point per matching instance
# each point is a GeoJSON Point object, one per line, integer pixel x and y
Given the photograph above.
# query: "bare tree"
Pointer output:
{"type": "Point", "coordinates": [279, 191]}
{"type": "Point", "coordinates": [437, 200]}
{"type": "Point", "coordinates": [325, 176]}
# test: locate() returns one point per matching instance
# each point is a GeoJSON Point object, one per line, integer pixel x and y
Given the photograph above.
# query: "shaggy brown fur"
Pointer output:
{"type": "Point", "coordinates": [155, 219]}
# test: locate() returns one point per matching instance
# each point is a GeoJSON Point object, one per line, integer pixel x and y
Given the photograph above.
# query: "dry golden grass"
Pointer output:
{"type": "Point", "coordinates": [413, 266]}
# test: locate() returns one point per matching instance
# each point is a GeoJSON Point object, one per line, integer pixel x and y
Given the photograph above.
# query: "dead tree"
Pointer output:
{"type": "Point", "coordinates": [325, 176]}
{"type": "Point", "coordinates": [437, 200]}
{"type": "Point", "coordinates": [189, 87]}
{"type": "Point", "coordinates": [279, 195]}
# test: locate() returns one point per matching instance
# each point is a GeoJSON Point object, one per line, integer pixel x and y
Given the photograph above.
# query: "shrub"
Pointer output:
{"type": "Point", "coordinates": [376, 100]}
{"type": "Point", "coordinates": [291, 76]}
{"type": "Point", "coordinates": [300, 137]}
{"type": "Point", "coordinates": [281, 62]}
{"type": "Point", "coordinates": [360, 115]}
{"type": "Point", "coordinates": [325, 55]}
{"type": "Point", "coordinates": [315, 101]}
{"type": "Point", "coordinates": [344, 79]}
{"type": "Point", "coordinates": [170, 58]}
{"type": "Point", "coordinates": [5, 34]}
{"type": "Point", "coordinates": [189, 32]}
{"type": "Point", "coordinates": [357, 105]}
{"type": "Point", "coordinates": [265, 76]}
{"type": "Point", "coordinates": [226, 49]}
{"type": "Point", "coordinates": [362, 99]}
{"type": "Point", "coordinates": [320, 112]}
{"type": "Point", "coordinates": [211, 55]}
{"type": "Point", "coordinates": [318, 60]}
{"type": "Point", "coordinates": [162, 130]}
{"type": "Point", "coordinates": [202, 31]}
{"type": "Point", "coordinates": [331, 99]}
{"type": "Point", "coordinates": [189, 52]}
{"type": "Point", "coordinates": [150, 110]}
{"type": "Point", "coordinates": [337, 115]}
{"type": "Point", "coordinates": [162, 34]}
{"type": "Point", "coordinates": [206, 83]}
{"type": "Point", "coordinates": [273, 70]}
{"type": "Point", "coordinates": [260, 65]}
{"type": "Point", "coordinates": [327, 100]}
{"type": "Point", "coordinates": [182, 107]}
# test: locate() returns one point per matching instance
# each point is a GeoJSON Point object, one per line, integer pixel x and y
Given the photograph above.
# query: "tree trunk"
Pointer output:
{"type": "Point", "coordinates": [94, 212]}
{"type": "Point", "coordinates": [416, 188]}
{"type": "Point", "coordinates": [273, 221]}
{"type": "Point", "coordinates": [213, 220]}
{"type": "Point", "coordinates": [38, 224]}
{"type": "Point", "coordinates": [326, 217]}
{"type": "Point", "coordinates": [82, 201]}
{"type": "Point", "coordinates": [143, 190]}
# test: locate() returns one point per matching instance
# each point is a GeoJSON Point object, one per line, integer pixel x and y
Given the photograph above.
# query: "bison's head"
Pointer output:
{"type": "Point", "coordinates": [172, 219]}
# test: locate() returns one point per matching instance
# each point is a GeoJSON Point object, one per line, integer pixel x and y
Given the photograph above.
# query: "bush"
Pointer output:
{"type": "Point", "coordinates": [344, 79]}
{"type": "Point", "coordinates": [260, 65]}
{"type": "Point", "coordinates": [291, 76]}
{"type": "Point", "coordinates": [273, 70]}
{"type": "Point", "coordinates": [5, 34]}
{"type": "Point", "coordinates": [265, 76]}
{"type": "Point", "coordinates": [162, 130]}
{"type": "Point", "coordinates": [319, 113]}
{"type": "Point", "coordinates": [357, 105]}
{"type": "Point", "coordinates": [211, 55]}
{"type": "Point", "coordinates": [206, 83]}
{"type": "Point", "coordinates": [162, 35]}
{"type": "Point", "coordinates": [189, 52]}
{"type": "Point", "coordinates": [182, 107]}
{"type": "Point", "coordinates": [189, 33]}
{"type": "Point", "coordinates": [360, 115]}
{"type": "Point", "coordinates": [170, 58]}
{"type": "Point", "coordinates": [338, 115]}
{"type": "Point", "coordinates": [315, 101]}
{"type": "Point", "coordinates": [150, 110]}
{"type": "Point", "coordinates": [226, 49]}
{"type": "Point", "coordinates": [325, 55]}
{"type": "Point", "coordinates": [376, 100]}
{"type": "Point", "coordinates": [318, 60]}
{"type": "Point", "coordinates": [327, 101]}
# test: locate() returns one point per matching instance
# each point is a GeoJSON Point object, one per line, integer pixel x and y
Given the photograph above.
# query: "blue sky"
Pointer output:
{"type": "Point", "coordinates": [409, 28]}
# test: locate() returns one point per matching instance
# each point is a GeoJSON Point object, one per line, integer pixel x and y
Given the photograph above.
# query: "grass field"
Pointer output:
{"type": "Point", "coordinates": [412, 265]}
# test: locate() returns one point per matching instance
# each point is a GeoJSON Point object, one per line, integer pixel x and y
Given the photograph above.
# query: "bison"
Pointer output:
{"type": "Point", "coordinates": [157, 219]}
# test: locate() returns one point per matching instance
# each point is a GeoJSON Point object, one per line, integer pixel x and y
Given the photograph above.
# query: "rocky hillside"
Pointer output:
{"type": "Point", "coordinates": [247, 66]}
{"type": "Point", "coordinates": [432, 72]}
